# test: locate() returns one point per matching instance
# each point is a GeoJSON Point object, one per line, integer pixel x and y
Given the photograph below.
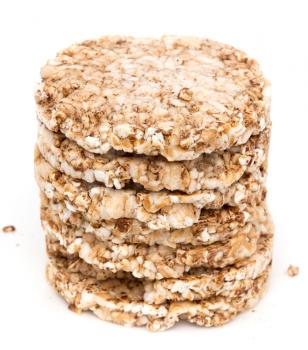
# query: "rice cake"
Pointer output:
{"type": "Point", "coordinates": [155, 262]}
{"type": "Point", "coordinates": [213, 226]}
{"type": "Point", "coordinates": [122, 301]}
{"type": "Point", "coordinates": [158, 209]}
{"type": "Point", "coordinates": [196, 284]}
{"type": "Point", "coordinates": [177, 97]}
{"type": "Point", "coordinates": [218, 170]}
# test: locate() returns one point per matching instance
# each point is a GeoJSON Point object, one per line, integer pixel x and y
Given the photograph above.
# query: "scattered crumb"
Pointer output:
{"type": "Point", "coordinates": [253, 310]}
{"type": "Point", "coordinates": [74, 308]}
{"type": "Point", "coordinates": [8, 229]}
{"type": "Point", "coordinates": [17, 244]}
{"type": "Point", "coordinates": [293, 271]}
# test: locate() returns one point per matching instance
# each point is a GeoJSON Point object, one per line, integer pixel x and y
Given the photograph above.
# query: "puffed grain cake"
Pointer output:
{"type": "Point", "coordinates": [152, 161]}
{"type": "Point", "coordinates": [218, 170]}
{"type": "Point", "coordinates": [122, 303]}
{"type": "Point", "coordinates": [158, 209]}
{"type": "Point", "coordinates": [175, 96]}
{"type": "Point", "coordinates": [197, 284]}
{"type": "Point", "coordinates": [156, 262]}
{"type": "Point", "coordinates": [212, 226]}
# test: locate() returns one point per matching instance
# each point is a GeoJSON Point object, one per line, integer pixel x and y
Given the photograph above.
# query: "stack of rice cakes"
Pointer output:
{"type": "Point", "coordinates": [151, 160]}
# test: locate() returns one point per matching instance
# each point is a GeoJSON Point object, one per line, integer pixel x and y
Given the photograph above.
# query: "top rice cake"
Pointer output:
{"type": "Point", "coordinates": [177, 97]}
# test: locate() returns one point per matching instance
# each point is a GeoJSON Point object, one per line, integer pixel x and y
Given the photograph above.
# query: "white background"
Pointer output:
{"type": "Point", "coordinates": [275, 32]}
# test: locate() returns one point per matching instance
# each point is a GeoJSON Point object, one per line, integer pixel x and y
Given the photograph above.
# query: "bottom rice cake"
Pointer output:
{"type": "Point", "coordinates": [195, 285]}
{"type": "Point", "coordinates": [122, 301]}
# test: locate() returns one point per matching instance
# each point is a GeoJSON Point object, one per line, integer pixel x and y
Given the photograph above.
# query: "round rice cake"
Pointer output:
{"type": "Point", "coordinates": [202, 283]}
{"type": "Point", "coordinates": [158, 209]}
{"type": "Point", "coordinates": [218, 170]}
{"type": "Point", "coordinates": [196, 284]}
{"type": "Point", "coordinates": [212, 226]}
{"type": "Point", "coordinates": [177, 97]}
{"type": "Point", "coordinates": [154, 262]}
{"type": "Point", "coordinates": [122, 302]}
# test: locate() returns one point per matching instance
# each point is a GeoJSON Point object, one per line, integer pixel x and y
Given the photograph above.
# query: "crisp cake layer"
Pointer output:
{"type": "Point", "coordinates": [122, 302]}
{"type": "Point", "coordinates": [212, 226]}
{"type": "Point", "coordinates": [158, 209]}
{"type": "Point", "coordinates": [196, 284]}
{"type": "Point", "coordinates": [155, 262]}
{"type": "Point", "coordinates": [175, 96]}
{"type": "Point", "coordinates": [218, 170]}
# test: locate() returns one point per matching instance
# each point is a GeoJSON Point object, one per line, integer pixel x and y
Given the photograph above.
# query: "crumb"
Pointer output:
{"type": "Point", "coordinates": [74, 308]}
{"type": "Point", "coordinates": [17, 244]}
{"type": "Point", "coordinates": [253, 310]}
{"type": "Point", "coordinates": [185, 94]}
{"type": "Point", "coordinates": [293, 271]}
{"type": "Point", "coordinates": [8, 229]}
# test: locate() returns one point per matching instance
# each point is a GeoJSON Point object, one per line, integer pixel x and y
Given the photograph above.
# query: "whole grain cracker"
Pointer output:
{"type": "Point", "coordinates": [175, 96]}
{"type": "Point", "coordinates": [154, 262]}
{"type": "Point", "coordinates": [159, 209]}
{"type": "Point", "coordinates": [217, 170]}
{"type": "Point", "coordinates": [121, 301]}
{"type": "Point", "coordinates": [196, 284]}
{"type": "Point", "coordinates": [213, 226]}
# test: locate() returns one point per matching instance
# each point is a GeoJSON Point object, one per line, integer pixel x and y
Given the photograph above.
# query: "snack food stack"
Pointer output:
{"type": "Point", "coordinates": [151, 160]}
